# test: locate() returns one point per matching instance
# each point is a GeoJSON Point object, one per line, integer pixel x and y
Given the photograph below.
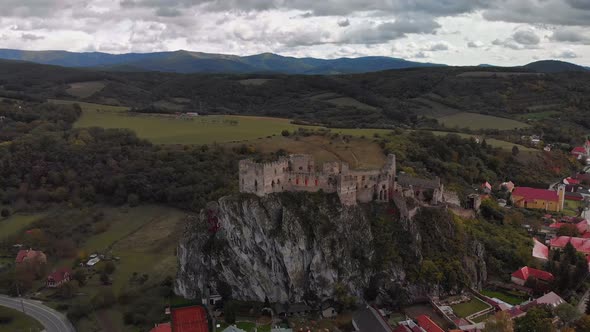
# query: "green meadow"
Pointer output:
{"type": "Point", "coordinates": [479, 121]}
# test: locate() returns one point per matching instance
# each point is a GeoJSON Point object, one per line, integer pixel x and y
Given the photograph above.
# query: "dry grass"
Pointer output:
{"type": "Point", "coordinates": [85, 89]}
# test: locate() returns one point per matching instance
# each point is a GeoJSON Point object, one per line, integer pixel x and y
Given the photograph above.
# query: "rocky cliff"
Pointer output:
{"type": "Point", "coordinates": [296, 246]}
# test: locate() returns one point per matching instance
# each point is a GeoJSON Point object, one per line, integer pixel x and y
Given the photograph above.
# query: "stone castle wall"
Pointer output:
{"type": "Point", "coordinates": [299, 173]}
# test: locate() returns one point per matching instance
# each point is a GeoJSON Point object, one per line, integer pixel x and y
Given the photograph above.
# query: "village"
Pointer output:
{"type": "Point", "coordinates": [562, 228]}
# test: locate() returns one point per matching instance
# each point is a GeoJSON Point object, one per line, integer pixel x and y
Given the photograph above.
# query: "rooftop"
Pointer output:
{"type": "Point", "coordinates": [189, 319]}
{"type": "Point", "coordinates": [428, 324]}
{"type": "Point", "coordinates": [525, 272]}
{"type": "Point", "coordinates": [531, 194]}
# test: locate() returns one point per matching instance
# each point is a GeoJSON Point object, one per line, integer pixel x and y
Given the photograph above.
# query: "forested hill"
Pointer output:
{"type": "Point", "coordinates": [386, 99]}
{"type": "Point", "coordinates": [197, 62]}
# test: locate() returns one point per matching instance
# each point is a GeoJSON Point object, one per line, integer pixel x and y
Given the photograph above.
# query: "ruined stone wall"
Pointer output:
{"type": "Point", "coordinates": [274, 176]}
{"type": "Point", "coordinates": [251, 177]}
{"type": "Point", "coordinates": [346, 190]}
{"type": "Point", "coordinates": [302, 163]}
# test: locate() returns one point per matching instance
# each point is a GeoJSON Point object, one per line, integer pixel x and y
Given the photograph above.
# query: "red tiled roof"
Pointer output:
{"type": "Point", "coordinates": [189, 319]}
{"type": "Point", "coordinates": [571, 181]}
{"type": "Point", "coordinates": [60, 274]}
{"type": "Point", "coordinates": [582, 245]}
{"type": "Point", "coordinates": [531, 194]}
{"type": "Point", "coordinates": [574, 196]}
{"type": "Point", "coordinates": [583, 226]}
{"type": "Point", "coordinates": [27, 254]}
{"type": "Point", "coordinates": [579, 150]}
{"type": "Point", "coordinates": [165, 327]}
{"type": "Point", "coordinates": [526, 272]}
{"type": "Point", "coordinates": [427, 324]}
{"type": "Point", "coordinates": [402, 328]}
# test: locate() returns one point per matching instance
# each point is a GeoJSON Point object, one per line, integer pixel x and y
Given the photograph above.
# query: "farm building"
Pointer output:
{"type": "Point", "coordinates": [540, 251]}
{"type": "Point", "coordinates": [369, 319]}
{"type": "Point", "coordinates": [59, 277]}
{"type": "Point", "coordinates": [520, 276]}
{"type": "Point", "coordinates": [534, 198]}
{"type": "Point", "coordinates": [189, 319]}
{"type": "Point", "coordinates": [427, 324]}
{"type": "Point", "coordinates": [550, 299]}
{"type": "Point", "coordinates": [30, 255]}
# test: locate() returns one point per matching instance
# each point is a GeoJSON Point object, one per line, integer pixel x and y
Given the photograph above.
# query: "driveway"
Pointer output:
{"type": "Point", "coordinates": [52, 320]}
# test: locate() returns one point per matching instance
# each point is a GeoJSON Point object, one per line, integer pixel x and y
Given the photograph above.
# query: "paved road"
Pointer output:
{"type": "Point", "coordinates": [52, 320]}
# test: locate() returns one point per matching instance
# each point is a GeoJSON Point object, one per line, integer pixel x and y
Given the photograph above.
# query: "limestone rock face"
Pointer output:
{"type": "Point", "coordinates": [294, 247]}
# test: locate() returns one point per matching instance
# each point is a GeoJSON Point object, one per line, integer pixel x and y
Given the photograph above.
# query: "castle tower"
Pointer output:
{"type": "Point", "coordinates": [560, 197]}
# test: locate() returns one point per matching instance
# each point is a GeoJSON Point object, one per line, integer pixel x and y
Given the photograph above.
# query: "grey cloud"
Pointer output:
{"type": "Point", "coordinates": [420, 55]}
{"type": "Point", "coordinates": [565, 54]}
{"type": "Point", "coordinates": [540, 12]}
{"type": "Point", "coordinates": [343, 23]}
{"type": "Point", "coordinates": [438, 47]}
{"type": "Point", "coordinates": [168, 12]}
{"type": "Point", "coordinates": [474, 44]}
{"type": "Point", "coordinates": [388, 31]}
{"type": "Point", "coordinates": [508, 43]}
{"type": "Point", "coordinates": [579, 4]}
{"type": "Point", "coordinates": [30, 37]}
{"type": "Point", "coordinates": [526, 37]}
{"type": "Point", "coordinates": [570, 36]}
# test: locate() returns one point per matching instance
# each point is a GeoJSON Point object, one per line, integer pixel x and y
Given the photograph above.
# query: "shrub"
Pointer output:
{"type": "Point", "coordinates": [5, 213]}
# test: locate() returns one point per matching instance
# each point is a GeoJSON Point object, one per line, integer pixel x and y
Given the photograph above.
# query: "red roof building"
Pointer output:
{"type": "Point", "coordinates": [165, 327]}
{"type": "Point", "coordinates": [578, 151]}
{"type": "Point", "coordinates": [581, 244]}
{"type": "Point", "coordinates": [30, 255]}
{"type": "Point", "coordinates": [428, 324]}
{"type": "Point", "coordinates": [189, 319]}
{"type": "Point", "coordinates": [402, 328]}
{"type": "Point", "coordinates": [59, 277]}
{"type": "Point", "coordinates": [540, 251]}
{"type": "Point", "coordinates": [520, 276]}
{"type": "Point", "coordinates": [534, 198]}
{"type": "Point", "coordinates": [535, 193]}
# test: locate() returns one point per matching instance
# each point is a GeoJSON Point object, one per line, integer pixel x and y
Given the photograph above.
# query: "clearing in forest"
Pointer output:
{"type": "Point", "coordinates": [480, 121]}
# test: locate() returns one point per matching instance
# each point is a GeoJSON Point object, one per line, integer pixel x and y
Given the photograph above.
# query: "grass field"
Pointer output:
{"type": "Point", "coordinates": [508, 298]}
{"type": "Point", "coordinates": [20, 322]}
{"type": "Point", "coordinates": [85, 89]}
{"type": "Point", "coordinates": [16, 223]}
{"type": "Point", "coordinates": [479, 121]}
{"type": "Point", "coordinates": [491, 141]}
{"type": "Point", "coordinates": [469, 308]}
{"type": "Point", "coordinates": [90, 106]}
{"type": "Point", "coordinates": [538, 115]}
{"type": "Point", "coordinates": [358, 153]}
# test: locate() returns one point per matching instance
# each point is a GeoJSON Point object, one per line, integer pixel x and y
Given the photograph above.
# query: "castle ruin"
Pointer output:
{"type": "Point", "coordinates": [298, 172]}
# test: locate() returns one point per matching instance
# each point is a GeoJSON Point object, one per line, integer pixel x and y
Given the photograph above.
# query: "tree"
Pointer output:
{"type": "Point", "coordinates": [5, 213]}
{"type": "Point", "coordinates": [501, 322]}
{"type": "Point", "coordinates": [285, 133]}
{"type": "Point", "coordinates": [568, 230]}
{"type": "Point", "coordinates": [132, 200]}
{"type": "Point", "coordinates": [515, 150]}
{"type": "Point", "coordinates": [80, 276]}
{"type": "Point", "coordinates": [229, 312]}
{"type": "Point", "coordinates": [104, 278]}
{"type": "Point", "coordinates": [537, 319]}
{"type": "Point", "coordinates": [583, 324]}
{"type": "Point", "coordinates": [68, 290]}
{"type": "Point", "coordinates": [567, 313]}
{"type": "Point", "coordinates": [109, 267]}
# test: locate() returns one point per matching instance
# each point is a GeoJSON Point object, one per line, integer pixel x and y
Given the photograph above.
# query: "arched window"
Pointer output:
{"type": "Point", "coordinates": [255, 184]}
{"type": "Point", "coordinates": [272, 184]}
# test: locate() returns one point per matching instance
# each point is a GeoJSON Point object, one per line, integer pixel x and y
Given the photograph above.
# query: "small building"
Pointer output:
{"type": "Point", "coordinates": [534, 198]}
{"type": "Point", "coordinates": [486, 187]}
{"type": "Point", "coordinates": [551, 299]}
{"type": "Point", "coordinates": [292, 309]}
{"type": "Point", "coordinates": [164, 327]}
{"type": "Point", "coordinates": [508, 186]}
{"type": "Point", "coordinates": [368, 319]}
{"type": "Point", "coordinates": [59, 277]}
{"type": "Point", "coordinates": [520, 276]}
{"type": "Point", "coordinates": [93, 261]}
{"type": "Point", "coordinates": [189, 319]}
{"type": "Point", "coordinates": [427, 324]}
{"type": "Point", "coordinates": [540, 251]}
{"type": "Point", "coordinates": [30, 256]}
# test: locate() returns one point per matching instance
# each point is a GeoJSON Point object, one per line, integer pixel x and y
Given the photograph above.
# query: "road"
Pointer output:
{"type": "Point", "coordinates": [52, 320]}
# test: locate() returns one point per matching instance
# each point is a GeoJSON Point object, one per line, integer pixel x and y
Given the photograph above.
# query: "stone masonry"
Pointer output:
{"type": "Point", "coordinates": [298, 172]}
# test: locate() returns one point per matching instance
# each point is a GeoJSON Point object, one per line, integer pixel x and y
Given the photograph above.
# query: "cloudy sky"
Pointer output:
{"type": "Point", "coordinates": [457, 32]}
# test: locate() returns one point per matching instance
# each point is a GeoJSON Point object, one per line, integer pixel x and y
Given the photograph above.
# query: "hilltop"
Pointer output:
{"type": "Point", "coordinates": [197, 62]}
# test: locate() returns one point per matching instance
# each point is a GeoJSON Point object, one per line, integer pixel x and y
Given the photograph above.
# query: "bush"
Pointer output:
{"type": "Point", "coordinates": [5, 213]}
{"type": "Point", "coordinates": [132, 200]}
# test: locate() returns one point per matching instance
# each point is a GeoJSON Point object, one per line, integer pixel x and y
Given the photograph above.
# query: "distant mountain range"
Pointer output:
{"type": "Point", "coordinates": [196, 62]}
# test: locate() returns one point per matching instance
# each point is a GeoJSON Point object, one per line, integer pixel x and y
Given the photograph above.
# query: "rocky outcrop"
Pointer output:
{"type": "Point", "coordinates": [297, 246]}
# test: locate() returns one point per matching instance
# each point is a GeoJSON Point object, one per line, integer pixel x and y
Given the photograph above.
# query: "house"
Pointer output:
{"type": "Point", "coordinates": [292, 309]}
{"type": "Point", "coordinates": [59, 277]}
{"type": "Point", "coordinates": [329, 310]}
{"type": "Point", "coordinates": [189, 319]}
{"type": "Point", "coordinates": [534, 198]}
{"type": "Point", "coordinates": [520, 276]}
{"type": "Point", "coordinates": [215, 299]}
{"type": "Point", "coordinates": [540, 251]}
{"type": "Point", "coordinates": [582, 245]}
{"type": "Point", "coordinates": [427, 324]}
{"type": "Point", "coordinates": [508, 186]}
{"type": "Point", "coordinates": [164, 327]}
{"type": "Point", "coordinates": [368, 319]}
{"type": "Point", "coordinates": [550, 299]}
{"type": "Point", "coordinates": [30, 255]}
{"type": "Point", "coordinates": [486, 187]}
